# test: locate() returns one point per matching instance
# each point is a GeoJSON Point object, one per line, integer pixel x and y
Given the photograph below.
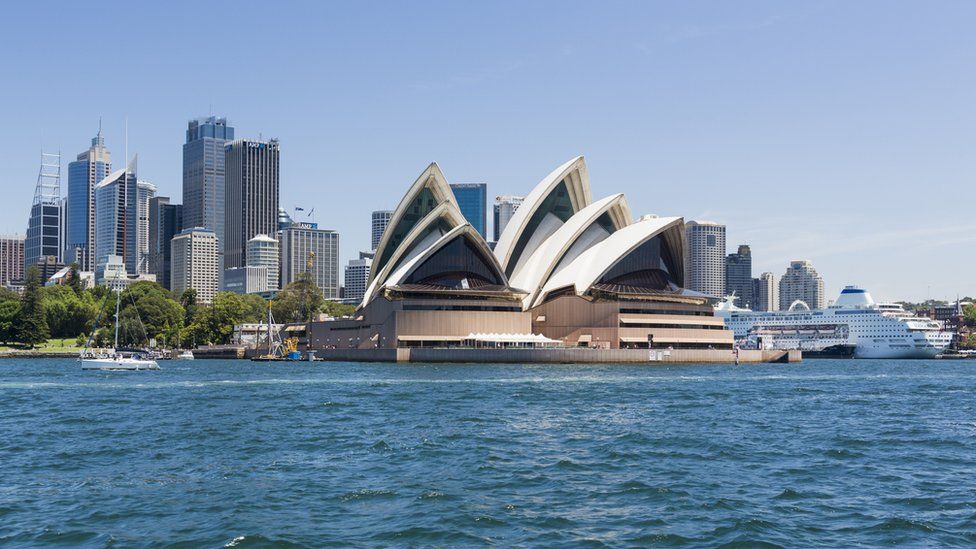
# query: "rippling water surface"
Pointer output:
{"type": "Point", "coordinates": [224, 452]}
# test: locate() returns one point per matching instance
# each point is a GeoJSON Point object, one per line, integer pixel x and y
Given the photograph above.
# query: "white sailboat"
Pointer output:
{"type": "Point", "coordinates": [116, 358]}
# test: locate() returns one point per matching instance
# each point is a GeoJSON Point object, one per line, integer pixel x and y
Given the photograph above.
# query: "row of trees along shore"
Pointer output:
{"type": "Point", "coordinates": [147, 311]}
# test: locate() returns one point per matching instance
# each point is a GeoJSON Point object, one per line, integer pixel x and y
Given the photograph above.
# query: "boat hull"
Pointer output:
{"type": "Point", "coordinates": [117, 364]}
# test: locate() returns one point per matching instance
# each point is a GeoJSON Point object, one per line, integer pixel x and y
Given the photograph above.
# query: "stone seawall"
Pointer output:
{"type": "Point", "coordinates": [555, 356]}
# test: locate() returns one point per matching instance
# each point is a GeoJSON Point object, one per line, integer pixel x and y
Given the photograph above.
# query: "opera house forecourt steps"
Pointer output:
{"type": "Point", "coordinates": [569, 280]}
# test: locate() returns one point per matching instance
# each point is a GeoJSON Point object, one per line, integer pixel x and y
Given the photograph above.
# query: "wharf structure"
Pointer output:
{"type": "Point", "coordinates": [582, 273]}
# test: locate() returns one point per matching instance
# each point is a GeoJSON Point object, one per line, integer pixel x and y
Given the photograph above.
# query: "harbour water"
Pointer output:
{"type": "Point", "coordinates": [210, 453]}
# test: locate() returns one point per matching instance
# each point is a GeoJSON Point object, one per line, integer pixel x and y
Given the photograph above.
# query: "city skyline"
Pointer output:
{"type": "Point", "coordinates": [686, 112]}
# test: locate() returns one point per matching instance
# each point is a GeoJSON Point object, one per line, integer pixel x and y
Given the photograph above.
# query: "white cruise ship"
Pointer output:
{"type": "Point", "coordinates": [876, 330]}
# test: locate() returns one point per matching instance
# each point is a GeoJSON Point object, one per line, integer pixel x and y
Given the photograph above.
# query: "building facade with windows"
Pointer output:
{"type": "Point", "coordinates": [503, 210]}
{"type": "Point", "coordinates": [803, 283]}
{"type": "Point", "coordinates": [11, 259]}
{"type": "Point", "coordinates": [315, 251]}
{"type": "Point", "coordinates": [165, 222]}
{"type": "Point", "coordinates": [766, 293]}
{"type": "Point", "coordinates": [117, 216]}
{"type": "Point", "coordinates": [251, 188]}
{"type": "Point", "coordinates": [194, 263]}
{"type": "Point", "coordinates": [263, 251]}
{"type": "Point", "coordinates": [356, 278]}
{"type": "Point", "coordinates": [738, 276]}
{"type": "Point", "coordinates": [203, 173]}
{"type": "Point", "coordinates": [705, 257]}
{"type": "Point", "coordinates": [90, 168]}
{"type": "Point", "coordinates": [246, 280]}
{"type": "Point", "coordinates": [472, 199]}
{"type": "Point", "coordinates": [380, 219]}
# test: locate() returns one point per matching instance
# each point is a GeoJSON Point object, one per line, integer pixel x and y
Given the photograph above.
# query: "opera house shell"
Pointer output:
{"type": "Point", "coordinates": [581, 272]}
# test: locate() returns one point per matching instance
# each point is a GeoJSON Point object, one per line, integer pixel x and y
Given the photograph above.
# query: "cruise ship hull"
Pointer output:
{"type": "Point", "coordinates": [883, 331]}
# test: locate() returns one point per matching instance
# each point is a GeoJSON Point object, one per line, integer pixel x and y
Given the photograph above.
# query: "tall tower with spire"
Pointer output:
{"type": "Point", "coordinates": [43, 242]}
{"type": "Point", "coordinates": [84, 173]}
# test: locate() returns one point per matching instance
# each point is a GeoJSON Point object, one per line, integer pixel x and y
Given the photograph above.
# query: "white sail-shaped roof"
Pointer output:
{"type": "Point", "coordinates": [574, 237]}
{"type": "Point", "coordinates": [591, 265]}
{"type": "Point", "coordinates": [562, 193]}
{"type": "Point", "coordinates": [439, 221]}
{"type": "Point", "coordinates": [465, 231]}
{"type": "Point", "coordinates": [427, 192]}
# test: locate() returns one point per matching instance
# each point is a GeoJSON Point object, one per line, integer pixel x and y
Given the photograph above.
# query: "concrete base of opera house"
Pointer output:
{"type": "Point", "coordinates": [566, 355]}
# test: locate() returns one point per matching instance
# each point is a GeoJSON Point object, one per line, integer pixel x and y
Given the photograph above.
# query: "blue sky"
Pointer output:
{"type": "Point", "coordinates": [841, 132]}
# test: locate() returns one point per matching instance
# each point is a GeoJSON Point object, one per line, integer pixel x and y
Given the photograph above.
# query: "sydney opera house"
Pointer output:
{"type": "Point", "coordinates": [567, 270]}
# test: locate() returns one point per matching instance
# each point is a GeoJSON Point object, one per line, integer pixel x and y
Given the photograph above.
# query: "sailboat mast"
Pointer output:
{"type": "Point", "coordinates": [270, 347]}
{"type": "Point", "coordinates": [118, 298]}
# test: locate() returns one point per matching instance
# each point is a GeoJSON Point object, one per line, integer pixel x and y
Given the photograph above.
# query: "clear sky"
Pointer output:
{"type": "Point", "coordinates": [841, 132]}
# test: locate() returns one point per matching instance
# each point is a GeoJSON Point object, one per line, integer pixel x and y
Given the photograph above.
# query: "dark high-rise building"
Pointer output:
{"type": "Point", "coordinates": [44, 232]}
{"type": "Point", "coordinates": [84, 173]}
{"type": "Point", "coordinates": [472, 198]}
{"type": "Point", "coordinates": [165, 222]}
{"type": "Point", "coordinates": [203, 174]}
{"type": "Point", "coordinates": [738, 276]}
{"type": "Point", "coordinates": [251, 196]}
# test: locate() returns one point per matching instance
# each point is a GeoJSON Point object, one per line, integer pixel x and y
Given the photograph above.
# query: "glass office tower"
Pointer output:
{"type": "Point", "coordinates": [472, 198]}
{"type": "Point", "coordinates": [84, 173]}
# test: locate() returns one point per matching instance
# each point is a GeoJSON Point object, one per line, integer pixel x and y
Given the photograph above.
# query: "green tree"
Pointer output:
{"type": "Point", "coordinates": [299, 301]}
{"type": "Point", "coordinates": [188, 300]}
{"type": "Point", "coordinates": [149, 304]}
{"type": "Point", "coordinates": [336, 309]}
{"type": "Point", "coordinates": [68, 313]}
{"type": "Point", "coordinates": [8, 295]}
{"type": "Point", "coordinates": [969, 315]}
{"type": "Point", "coordinates": [9, 310]}
{"type": "Point", "coordinates": [31, 325]}
{"type": "Point", "coordinates": [74, 279]}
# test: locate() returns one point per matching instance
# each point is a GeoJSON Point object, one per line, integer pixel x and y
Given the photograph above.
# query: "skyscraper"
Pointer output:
{"type": "Point", "coordinates": [251, 196]}
{"type": "Point", "coordinates": [43, 239]}
{"type": "Point", "coordinates": [195, 263]}
{"type": "Point", "coordinates": [203, 174]}
{"type": "Point", "coordinates": [801, 282]}
{"type": "Point", "coordinates": [11, 259]}
{"type": "Point", "coordinates": [472, 198]}
{"type": "Point", "coordinates": [705, 258]}
{"type": "Point", "coordinates": [165, 222]}
{"type": "Point", "coordinates": [381, 218]}
{"type": "Point", "coordinates": [315, 251]}
{"type": "Point", "coordinates": [356, 279]}
{"type": "Point", "coordinates": [738, 276]}
{"type": "Point", "coordinates": [90, 168]}
{"type": "Point", "coordinates": [117, 220]}
{"type": "Point", "coordinates": [145, 193]}
{"type": "Point", "coordinates": [505, 207]}
{"type": "Point", "coordinates": [263, 251]}
{"type": "Point", "coordinates": [765, 293]}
